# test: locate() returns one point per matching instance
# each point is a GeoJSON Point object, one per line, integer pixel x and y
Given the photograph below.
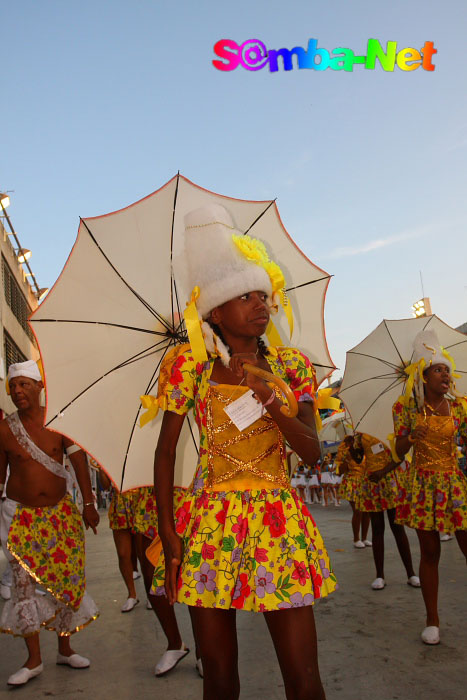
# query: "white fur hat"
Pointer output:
{"type": "Point", "coordinates": [214, 263]}
{"type": "Point", "coordinates": [427, 347]}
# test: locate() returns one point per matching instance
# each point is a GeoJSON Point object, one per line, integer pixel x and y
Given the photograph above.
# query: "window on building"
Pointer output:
{"type": "Point", "coordinates": [12, 353]}
{"type": "Point", "coordinates": [16, 299]}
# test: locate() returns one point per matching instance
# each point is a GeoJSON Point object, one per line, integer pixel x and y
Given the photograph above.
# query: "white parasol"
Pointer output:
{"type": "Point", "coordinates": [375, 373]}
{"type": "Point", "coordinates": [336, 427]}
{"type": "Point", "coordinates": [117, 309]}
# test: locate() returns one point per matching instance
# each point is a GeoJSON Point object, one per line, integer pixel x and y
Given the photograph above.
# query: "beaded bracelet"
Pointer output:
{"type": "Point", "coordinates": [270, 399]}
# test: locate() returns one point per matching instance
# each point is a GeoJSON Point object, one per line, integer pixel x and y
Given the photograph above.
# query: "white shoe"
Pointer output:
{"type": "Point", "coordinates": [75, 661]}
{"type": "Point", "coordinates": [378, 584]}
{"type": "Point", "coordinates": [359, 544]}
{"type": "Point", "coordinates": [199, 668]}
{"type": "Point", "coordinates": [368, 543]}
{"type": "Point", "coordinates": [169, 660]}
{"type": "Point", "coordinates": [414, 581]}
{"type": "Point", "coordinates": [5, 592]}
{"type": "Point", "coordinates": [148, 605]}
{"type": "Point", "coordinates": [430, 635]}
{"type": "Point", "coordinates": [129, 604]}
{"type": "Point", "coordinates": [24, 675]}
{"type": "Point", "coordinates": [446, 537]}
{"type": "Point", "coordinates": [136, 575]}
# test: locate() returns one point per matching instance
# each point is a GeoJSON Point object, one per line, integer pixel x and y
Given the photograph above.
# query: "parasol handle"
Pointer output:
{"type": "Point", "coordinates": [292, 409]}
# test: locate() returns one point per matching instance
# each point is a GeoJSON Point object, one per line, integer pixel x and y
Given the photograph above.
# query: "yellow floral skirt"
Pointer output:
{"type": "Point", "coordinates": [434, 500]}
{"type": "Point", "coordinates": [250, 550]}
{"type": "Point", "coordinates": [376, 497]}
{"type": "Point", "coordinates": [348, 487]}
{"type": "Point", "coordinates": [122, 509]}
{"type": "Point", "coordinates": [145, 510]}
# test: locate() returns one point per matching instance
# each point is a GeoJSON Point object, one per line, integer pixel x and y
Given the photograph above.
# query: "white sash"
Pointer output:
{"type": "Point", "coordinates": [19, 431]}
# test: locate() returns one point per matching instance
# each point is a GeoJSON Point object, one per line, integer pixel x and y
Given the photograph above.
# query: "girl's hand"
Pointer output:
{"type": "Point", "coordinates": [173, 553]}
{"type": "Point", "coordinates": [419, 432]}
{"type": "Point", "coordinates": [256, 384]}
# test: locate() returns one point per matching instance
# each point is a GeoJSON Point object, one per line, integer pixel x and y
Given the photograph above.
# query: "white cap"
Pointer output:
{"type": "Point", "coordinates": [24, 369]}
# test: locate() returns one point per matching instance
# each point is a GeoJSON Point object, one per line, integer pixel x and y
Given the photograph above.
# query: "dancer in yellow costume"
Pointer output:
{"type": "Point", "coordinates": [378, 493]}
{"type": "Point", "coordinates": [41, 528]}
{"type": "Point", "coordinates": [433, 423]}
{"type": "Point", "coordinates": [133, 515]}
{"type": "Point", "coordinates": [242, 539]}
{"type": "Point", "coordinates": [352, 474]}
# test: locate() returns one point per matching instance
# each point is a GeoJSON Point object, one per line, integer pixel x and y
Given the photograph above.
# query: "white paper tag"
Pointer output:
{"type": "Point", "coordinates": [376, 449]}
{"type": "Point", "coordinates": [244, 411]}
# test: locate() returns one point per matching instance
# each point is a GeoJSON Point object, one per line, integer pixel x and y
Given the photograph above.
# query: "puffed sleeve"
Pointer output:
{"type": "Point", "coordinates": [176, 380]}
{"type": "Point", "coordinates": [401, 415]}
{"type": "Point", "coordinates": [300, 373]}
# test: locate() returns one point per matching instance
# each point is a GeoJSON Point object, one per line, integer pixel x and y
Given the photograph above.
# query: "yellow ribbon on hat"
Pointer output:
{"type": "Point", "coordinates": [193, 327]}
{"type": "Point", "coordinates": [287, 306]}
{"type": "Point", "coordinates": [325, 400]}
{"type": "Point", "coordinates": [451, 360]}
{"type": "Point", "coordinates": [416, 368]}
{"type": "Point", "coordinates": [273, 335]}
{"type": "Point", "coordinates": [152, 404]}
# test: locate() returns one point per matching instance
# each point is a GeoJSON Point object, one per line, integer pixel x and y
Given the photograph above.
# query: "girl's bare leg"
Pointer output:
{"type": "Point", "coordinates": [216, 637]}
{"type": "Point", "coordinates": [365, 525]}
{"type": "Point", "coordinates": [377, 527]}
{"type": "Point", "coordinates": [134, 553]}
{"type": "Point", "coordinates": [164, 611]}
{"type": "Point", "coordinates": [461, 537]}
{"type": "Point", "coordinates": [122, 539]}
{"type": "Point", "coordinates": [294, 636]}
{"type": "Point", "coordinates": [430, 549]}
{"type": "Point", "coordinates": [356, 521]}
{"type": "Point", "coordinates": [402, 542]}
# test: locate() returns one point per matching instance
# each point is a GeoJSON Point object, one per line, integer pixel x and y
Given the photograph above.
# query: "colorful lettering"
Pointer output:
{"type": "Point", "coordinates": [253, 55]}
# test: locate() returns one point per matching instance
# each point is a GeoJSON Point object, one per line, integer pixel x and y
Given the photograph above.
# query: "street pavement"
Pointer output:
{"type": "Point", "coordinates": [369, 641]}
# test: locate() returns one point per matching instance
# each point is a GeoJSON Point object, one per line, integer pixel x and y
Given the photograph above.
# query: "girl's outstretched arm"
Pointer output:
{"type": "Point", "coordinates": [164, 464]}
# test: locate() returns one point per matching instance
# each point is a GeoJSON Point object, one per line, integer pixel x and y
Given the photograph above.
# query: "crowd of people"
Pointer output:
{"type": "Point", "coordinates": [242, 536]}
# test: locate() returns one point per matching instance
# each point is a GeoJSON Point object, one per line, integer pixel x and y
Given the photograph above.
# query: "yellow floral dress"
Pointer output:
{"type": "Point", "coordinates": [249, 541]}
{"type": "Point", "coordinates": [352, 477]}
{"type": "Point", "coordinates": [383, 495]}
{"type": "Point", "coordinates": [136, 510]}
{"type": "Point", "coordinates": [435, 496]}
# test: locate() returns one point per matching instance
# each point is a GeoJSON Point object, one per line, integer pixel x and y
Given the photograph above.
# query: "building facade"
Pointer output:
{"type": "Point", "coordinates": [17, 302]}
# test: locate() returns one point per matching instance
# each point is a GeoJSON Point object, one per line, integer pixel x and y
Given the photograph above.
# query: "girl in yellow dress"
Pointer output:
{"type": "Point", "coordinates": [352, 473]}
{"type": "Point", "coordinates": [433, 424]}
{"type": "Point", "coordinates": [242, 540]}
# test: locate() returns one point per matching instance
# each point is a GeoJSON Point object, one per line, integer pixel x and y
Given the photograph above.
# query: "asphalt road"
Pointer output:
{"type": "Point", "coordinates": [369, 641]}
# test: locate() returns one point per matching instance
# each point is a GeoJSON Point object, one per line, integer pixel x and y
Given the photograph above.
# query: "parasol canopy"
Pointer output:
{"type": "Point", "coordinates": [336, 427]}
{"type": "Point", "coordinates": [117, 308]}
{"type": "Point", "coordinates": [375, 375]}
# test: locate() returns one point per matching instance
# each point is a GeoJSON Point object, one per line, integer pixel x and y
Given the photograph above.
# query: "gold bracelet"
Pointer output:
{"type": "Point", "coordinates": [88, 504]}
{"type": "Point", "coordinates": [410, 438]}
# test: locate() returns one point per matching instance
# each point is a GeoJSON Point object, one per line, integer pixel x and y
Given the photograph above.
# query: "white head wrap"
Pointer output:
{"type": "Point", "coordinates": [427, 351]}
{"type": "Point", "coordinates": [24, 369]}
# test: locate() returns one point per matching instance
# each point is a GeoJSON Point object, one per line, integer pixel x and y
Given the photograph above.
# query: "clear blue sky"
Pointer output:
{"type": "Point", "coordinates": [104, 101]}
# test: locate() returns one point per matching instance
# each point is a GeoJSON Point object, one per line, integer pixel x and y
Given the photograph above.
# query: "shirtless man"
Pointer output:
{"type": "Point", "coordinates": [41, 528]}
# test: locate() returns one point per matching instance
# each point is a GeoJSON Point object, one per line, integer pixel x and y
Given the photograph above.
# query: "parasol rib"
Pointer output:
{"type": "Point", "coordinates": [160, 318]}
{"type": "Point", "coordinates": [99, 323]}
{"type": "Point", "coordinates": [259, 217]}
{"type": "Point", "coordinates": [386, 390]}
{"type": "Point", "coordinates": [392, 341]}
{"type": "Point", "coordinates": [148, 388]}
{"type": "Point", "coordinates": [139, 356]}
{"type": "Point", "coordinates": [305, 284]}
{"type": "Point", "coordinates": [171, 247]}
{"type": "Point", "coordinates": [370, 379]}
{"type": "Point", "coordinates": [379, 359]}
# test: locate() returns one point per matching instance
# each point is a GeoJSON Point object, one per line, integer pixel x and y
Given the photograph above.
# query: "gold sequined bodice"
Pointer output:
{"type": "Point", "coordinates": [436, 451]}
{"type": "Point", "coordinates": [374, 462]}
{"type": "Point", "coordinates": [251, 459]}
